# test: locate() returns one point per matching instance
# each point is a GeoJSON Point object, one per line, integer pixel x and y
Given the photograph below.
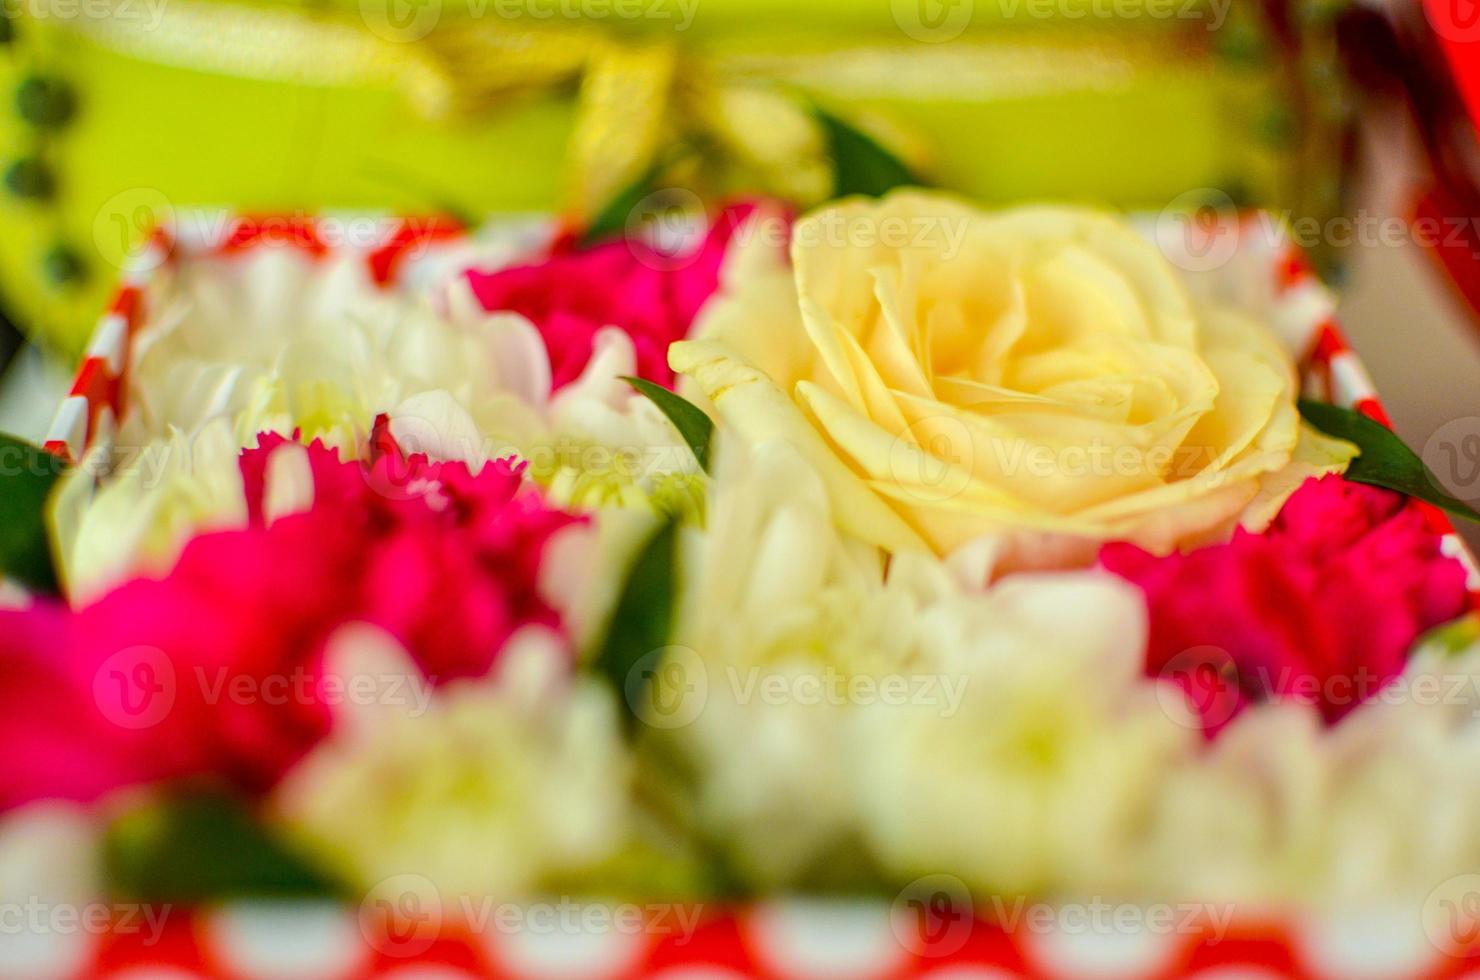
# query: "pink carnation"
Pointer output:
{"type": "Point", "coordinates": [1324, 607]}
{"type": "Point", "coordinates": [576, 292]}
{"type": "Point", "coordinates": [139, 685]}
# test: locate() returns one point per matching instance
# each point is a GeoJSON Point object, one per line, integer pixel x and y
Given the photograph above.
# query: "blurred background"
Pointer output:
{"type": "Point", "coordinates": [1354, 121]}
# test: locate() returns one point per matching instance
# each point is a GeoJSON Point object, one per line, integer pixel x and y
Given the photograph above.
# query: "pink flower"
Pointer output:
{"type": "Point", "coordinates": [1324, 607]}
{"type": "Point", "coordinates": [574, 293]}
{"type": "Point", "coordinates": [217, 667]}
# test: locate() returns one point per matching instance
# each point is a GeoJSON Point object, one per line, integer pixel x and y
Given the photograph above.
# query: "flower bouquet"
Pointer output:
{"type": "Point", "coordinates": [1029, 590]}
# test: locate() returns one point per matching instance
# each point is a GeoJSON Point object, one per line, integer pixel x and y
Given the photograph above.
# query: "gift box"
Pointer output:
{"type": "Point", "coordinates": [130, 108]}
{"type": "Point", "coordinates": [202, 256]}
{"type": "Point", "coordinates": [805, 941]}
{"type": "Point", "coordinates": [1249, 257]}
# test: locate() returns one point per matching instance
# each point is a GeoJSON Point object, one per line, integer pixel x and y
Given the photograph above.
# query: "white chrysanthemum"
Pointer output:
{"type": "Point", "coordinates": [771, 593]}
{"type": "Point", "coordinates": [487, 787]}
{"type": "Point", "coordinates": [829, 709]}
{"type": "Point", "coordinates": [141, 516]}
{"type": "Point", "coordinates": [276, 343]}
{"type": "Point", "coordinates": [1036, 780]}
{"type": "Point", "coordinates": [1382, 808]}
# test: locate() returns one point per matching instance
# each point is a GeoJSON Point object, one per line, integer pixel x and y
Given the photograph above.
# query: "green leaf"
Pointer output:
{"type": "Point", "coordinates": [202, 847]}
{"type": "Point", "coordinates": [696, 428]}
{"type": "Point", "coordinates": [1385, 461]}
{"type": "Point", "coordinates": [642, 620]}
{"type": "Point", "coordinates": [27, 475]}
{"type": "Point", "coordinates": [860, 164]}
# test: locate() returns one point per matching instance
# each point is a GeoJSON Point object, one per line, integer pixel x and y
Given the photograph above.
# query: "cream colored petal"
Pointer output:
{"type": "Point", "coordinates": [613, 357]}
{"type": "Point", "coordinates": [1166, 299]}
{"type": "Point", "coordinates": [756, 314]}
{"type": "Point", "coordinates": [891, 346]}
{"type": "Point", "coordinates": [1053, 463]}
{"type": "Point", "coordinates": [433, 423]}
{"type": "Point", "coordinates": [287, 483]}
{"type": "Point", "coordinates": [1316, 455]}
{"type": "Point", "coordinates": [1162, 527]}
{"type": "Point", "coordinates": [517, 358]}
{"type": "Point", "coordinates": [875, 398]}
{"type": "Point", "coordinates": [750, 403]}
{"type": "Point", "coordinates": [943, 460]}
{"type": "Point", "coordinates": [1075, 294]}
{"type": "Point", "coordinates": [1250, 396]}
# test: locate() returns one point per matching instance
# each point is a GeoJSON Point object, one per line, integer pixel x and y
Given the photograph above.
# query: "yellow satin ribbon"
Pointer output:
{"type": "Point", "coordinates": [635, 94]}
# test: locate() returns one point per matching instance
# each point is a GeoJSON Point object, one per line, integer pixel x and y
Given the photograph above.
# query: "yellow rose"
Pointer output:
{"type": "Point", "coordinates": [1039, 373]}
